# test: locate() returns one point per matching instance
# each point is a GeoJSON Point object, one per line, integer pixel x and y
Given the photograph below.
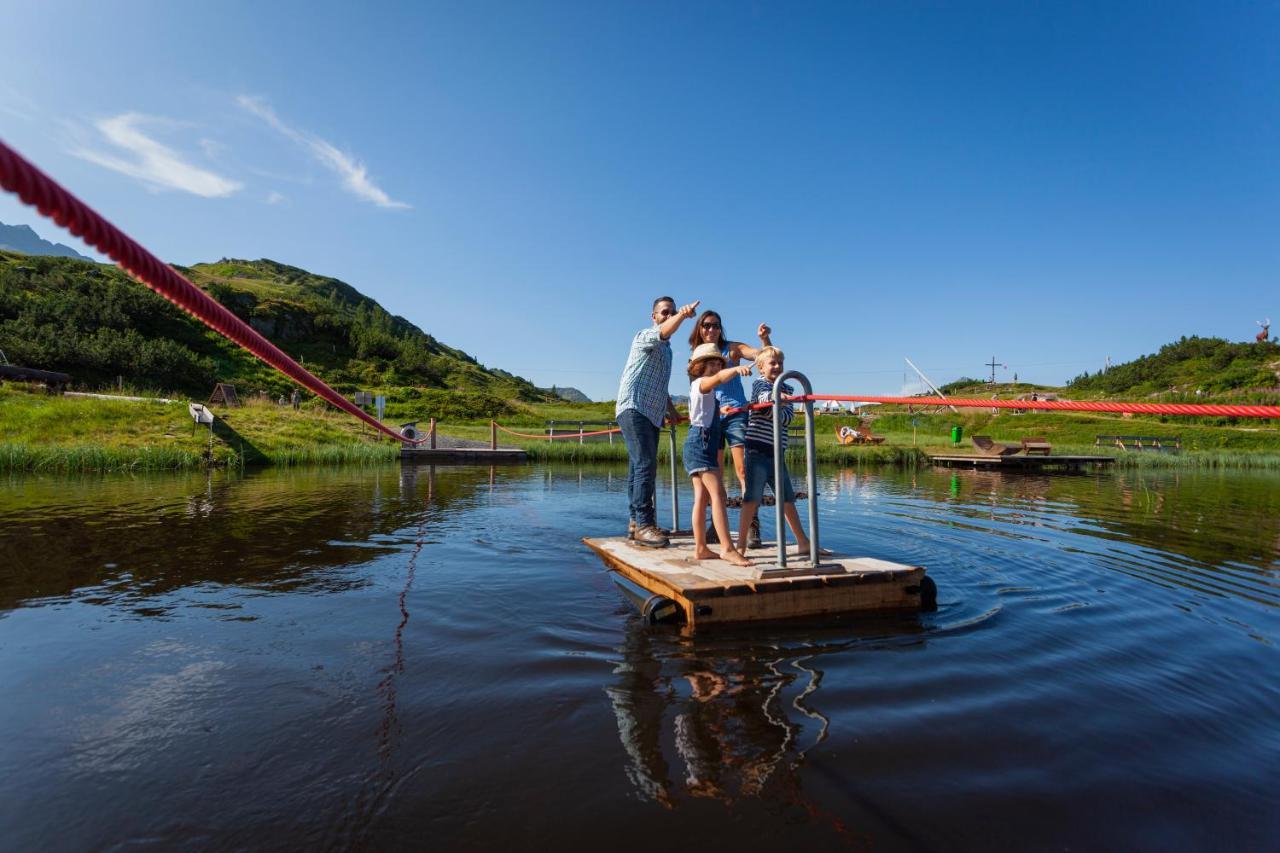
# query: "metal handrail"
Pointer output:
{"type": "Point", "coordinates": [779, 467]}
{"type": "Point", "coordinates": [675, 492]}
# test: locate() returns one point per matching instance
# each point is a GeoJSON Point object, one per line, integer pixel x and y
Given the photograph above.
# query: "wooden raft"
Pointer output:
{"type": "Point", "coordinates": [713, 591]}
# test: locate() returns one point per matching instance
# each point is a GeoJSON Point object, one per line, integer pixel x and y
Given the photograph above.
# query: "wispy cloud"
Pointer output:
{"type": "Point", "coordinates": [274, 197]}
{"type": "Point", "coordinates": [355, 177]}
{"type": "Point", "coordinates": [150, 161]}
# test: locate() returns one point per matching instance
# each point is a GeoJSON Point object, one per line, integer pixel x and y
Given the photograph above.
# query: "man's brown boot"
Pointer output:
{"type": "Point", "coordinates": [651, 537]}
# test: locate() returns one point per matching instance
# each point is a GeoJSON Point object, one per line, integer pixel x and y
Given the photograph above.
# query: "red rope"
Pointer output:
{"type": "Point", "coordinates": [1205, 409]}
{"type": "Point", "coordinates": [562, 435]}
{"type": "Point", "coordinates": [37, 189]}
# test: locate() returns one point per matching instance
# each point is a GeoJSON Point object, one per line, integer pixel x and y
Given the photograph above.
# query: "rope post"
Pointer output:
{"type": "Point", "coordinates": [433, 434]}
{"type": "Point", "coordinates": [493, 435]}
{"type": "Point", "coordinates": [580, 438]}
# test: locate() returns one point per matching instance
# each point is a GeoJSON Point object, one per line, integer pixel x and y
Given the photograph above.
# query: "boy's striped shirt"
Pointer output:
{"type": "Point", "coordinates": [760, 424]}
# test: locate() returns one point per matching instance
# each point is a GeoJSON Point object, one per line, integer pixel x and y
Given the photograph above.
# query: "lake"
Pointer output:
{"type": "Point", "coordinates": [430, 658]}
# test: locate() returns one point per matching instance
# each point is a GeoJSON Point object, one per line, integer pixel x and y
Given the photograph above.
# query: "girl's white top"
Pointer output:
{"type": "Point", "coordinates": [702, 406]}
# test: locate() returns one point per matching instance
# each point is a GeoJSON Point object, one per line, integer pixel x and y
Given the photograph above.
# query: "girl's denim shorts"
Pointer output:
{"type": "Point", "coordinates": [701, 448]}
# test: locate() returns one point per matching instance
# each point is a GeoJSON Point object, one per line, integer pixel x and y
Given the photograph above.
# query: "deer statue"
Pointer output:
{"type": "Point", "coordinates": [1262, 336]}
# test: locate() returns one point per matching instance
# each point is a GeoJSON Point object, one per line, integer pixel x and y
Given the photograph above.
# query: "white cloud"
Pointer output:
{"type": "Point", "coordinates": [355, 177]}
{"type": "Point", "coordinates": [274, 197]}
{"type": "Point", "coordinates": [150, 161]}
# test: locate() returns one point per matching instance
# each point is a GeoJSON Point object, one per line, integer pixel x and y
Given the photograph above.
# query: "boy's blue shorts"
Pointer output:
{"type": "Point", "coordinates": [734, 428]}
{"type": "Point", "coordinates": [760, 473]}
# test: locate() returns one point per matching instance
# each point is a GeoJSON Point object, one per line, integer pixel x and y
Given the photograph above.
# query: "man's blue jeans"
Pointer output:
{"type": "Point", "coordinates": [641, 438]}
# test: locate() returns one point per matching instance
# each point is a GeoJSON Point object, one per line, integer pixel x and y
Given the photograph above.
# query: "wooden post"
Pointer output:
{"type": "Point", "coordinates": [433, 434]}
{"type": "Point", "coordinates": [493, 435]}
{"type": "Point", "coordinates": [580, 439]}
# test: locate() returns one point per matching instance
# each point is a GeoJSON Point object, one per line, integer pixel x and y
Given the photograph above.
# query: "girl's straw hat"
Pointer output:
{"type": "Point", "coordinates": [703, 352]}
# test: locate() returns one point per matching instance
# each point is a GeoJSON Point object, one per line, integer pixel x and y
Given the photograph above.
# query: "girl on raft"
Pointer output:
{"type": "Point", "coordinates": [710, 330]}
{"type": "Point", "coordinates": [707, 372]}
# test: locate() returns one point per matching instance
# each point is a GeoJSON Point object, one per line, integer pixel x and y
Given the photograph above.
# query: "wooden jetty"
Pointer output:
{"type": "Point", "coordinates": [462, 455]}
{"type": "Point", "coordinates": [707, 592]}
{"type": "Point", "coordinates": [1020, 462]}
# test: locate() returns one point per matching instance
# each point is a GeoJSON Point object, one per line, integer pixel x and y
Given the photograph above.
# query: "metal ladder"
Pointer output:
{"type": "Point", "coordinates": [779, 468]}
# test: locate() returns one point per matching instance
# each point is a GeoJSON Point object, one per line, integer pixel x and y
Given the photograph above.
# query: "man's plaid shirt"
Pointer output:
{"type": "Point", "coordinates": [646, 376]}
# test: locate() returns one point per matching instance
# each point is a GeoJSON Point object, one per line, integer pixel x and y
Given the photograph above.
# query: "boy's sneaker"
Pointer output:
{"type": "Point", "coordinates": [651, 537]}
{"type": "Point", "coordinates": [753, 535]}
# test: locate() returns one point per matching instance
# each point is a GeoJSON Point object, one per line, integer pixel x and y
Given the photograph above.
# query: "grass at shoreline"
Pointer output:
{"type": "Point", "coordinates": [79, 434]}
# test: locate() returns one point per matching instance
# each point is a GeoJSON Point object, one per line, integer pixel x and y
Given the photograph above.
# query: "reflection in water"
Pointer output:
{"type": "Point", "coordinates": [732, 716]}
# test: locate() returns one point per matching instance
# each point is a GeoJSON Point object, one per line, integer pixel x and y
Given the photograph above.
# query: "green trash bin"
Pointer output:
{"type": "Point", "coordinates": [957, 432]}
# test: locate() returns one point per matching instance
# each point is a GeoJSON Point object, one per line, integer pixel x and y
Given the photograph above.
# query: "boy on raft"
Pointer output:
{"type": "Point", "coordinates": [701, 449]}
{"type": "Point", "coordinates": [759, 458]}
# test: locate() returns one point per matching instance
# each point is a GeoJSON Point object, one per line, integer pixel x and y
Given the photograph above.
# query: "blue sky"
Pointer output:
{"type": "Point", "coordinates": [1046, 183]}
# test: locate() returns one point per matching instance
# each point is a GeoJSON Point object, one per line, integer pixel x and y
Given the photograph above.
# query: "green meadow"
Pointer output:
{"type": "Point", "coordinates": [40, 432]}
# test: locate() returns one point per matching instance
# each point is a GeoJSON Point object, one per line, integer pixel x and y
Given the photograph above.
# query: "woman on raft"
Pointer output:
{"type": "Point", "coordinates": [707, 372]}
{"type": "Point", "coordinates": [710, 330]}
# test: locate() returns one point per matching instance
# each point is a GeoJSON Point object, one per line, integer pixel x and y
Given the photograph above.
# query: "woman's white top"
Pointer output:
{"type": "Point", "coordinates": [702, 406]}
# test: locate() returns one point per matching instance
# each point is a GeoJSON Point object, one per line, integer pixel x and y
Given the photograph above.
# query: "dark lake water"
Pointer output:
{"type": "Point", "coordinates": [390, 659]}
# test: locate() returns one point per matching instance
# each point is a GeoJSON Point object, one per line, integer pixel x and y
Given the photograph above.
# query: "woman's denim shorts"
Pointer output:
{"type": "Point", "coordinates": [734, 428]}
{"type": "Point", "coordinates": [701, 448]}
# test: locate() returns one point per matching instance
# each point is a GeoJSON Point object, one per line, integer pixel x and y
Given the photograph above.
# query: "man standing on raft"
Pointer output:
{"type": "Point", "coordinates": [642, 402]}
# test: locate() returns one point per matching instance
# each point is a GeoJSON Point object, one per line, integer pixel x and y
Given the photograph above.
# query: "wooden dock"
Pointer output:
{"type": "Point", "coordinates": [462, 456]}
{"type": "Point", "coordinates": [710, 592]}
{"type": "Point", "coordinates": [1020, 462]}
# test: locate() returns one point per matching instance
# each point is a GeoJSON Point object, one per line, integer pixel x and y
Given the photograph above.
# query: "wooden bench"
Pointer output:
{"type": "Point", "coordinates": [1163, 443]}
{"type": "Point", "coordinates": [1036, 444]}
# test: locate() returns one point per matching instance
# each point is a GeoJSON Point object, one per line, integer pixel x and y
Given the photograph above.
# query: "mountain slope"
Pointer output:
{"type": "Point", "coordinates": [20, 238]}
{"type": "Point", "coordinates": [95, 323]}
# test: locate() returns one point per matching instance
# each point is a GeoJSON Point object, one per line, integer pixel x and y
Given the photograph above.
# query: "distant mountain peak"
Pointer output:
{"type": "Point", "coordinates": [23, 238]}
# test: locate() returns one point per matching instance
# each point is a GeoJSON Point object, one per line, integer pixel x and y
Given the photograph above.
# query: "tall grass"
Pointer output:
{"type": "Point", "coordinates": [79, 458]}
{"type": "Point", "coordinates": [361, 453]}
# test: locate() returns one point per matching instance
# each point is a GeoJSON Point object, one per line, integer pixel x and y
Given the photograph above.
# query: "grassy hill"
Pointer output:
{"type": "Point", "coordinates": [1219, 370]}
{"type": "Point", "coordinates": [1213, 366]}
{"type": "Point", "coordinates": [95, 323]}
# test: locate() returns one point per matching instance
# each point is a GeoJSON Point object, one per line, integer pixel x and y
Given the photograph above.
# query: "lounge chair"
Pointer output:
{"type": "Point", "coordinates": [987, 447]}
{"type": "Point", "coordinates": [847, 436]}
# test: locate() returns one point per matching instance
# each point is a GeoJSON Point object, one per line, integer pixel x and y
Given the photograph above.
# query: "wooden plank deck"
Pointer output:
{"type": "Point", "coordinates": [713, 591]}
{"type": "Point", "coordinates": [1019, 462]}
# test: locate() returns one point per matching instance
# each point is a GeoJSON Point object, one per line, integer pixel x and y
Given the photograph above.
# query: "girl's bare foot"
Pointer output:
{"type": "Point", "coordinates": [734, 557]}
{"type": "Point", "coordinates": [705, 554]}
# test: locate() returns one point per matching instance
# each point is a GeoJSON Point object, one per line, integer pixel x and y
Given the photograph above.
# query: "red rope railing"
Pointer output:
{"type": "Point", "coordinates": [37, 189]}
{"type": "Point", "coordinates": [549, 437]}
{"type": "Point", "coordinates": [1201, 409]}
